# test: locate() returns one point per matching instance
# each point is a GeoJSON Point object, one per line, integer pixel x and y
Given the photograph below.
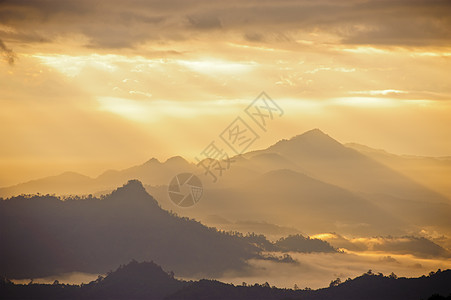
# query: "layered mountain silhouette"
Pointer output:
{"type": "Point", "coordinates": [147, 280]}
{"type": "Point", "coordinates": [325, 159]}
{"type": "Point", "coordinates": [310, 183]}
{"type": "Point", "coordinates": [368, 286]}
{"type": "Point", "coordinates": [432, 172]}
{"type": "Point", "coordinates": [44, 235]}
{"type": "Point", "coordinates": [316, 184]}
{"type": "Point", "coordinates": [70, 183]}
{"type": "Point", "coordinates": [290, 198]}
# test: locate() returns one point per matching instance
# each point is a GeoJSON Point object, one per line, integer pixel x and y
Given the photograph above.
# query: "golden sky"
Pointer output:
{"type": "Point", "coordinates": [92, 85]}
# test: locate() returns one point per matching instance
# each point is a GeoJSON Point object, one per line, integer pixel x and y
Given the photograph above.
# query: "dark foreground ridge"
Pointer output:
{"type": "Point", "coordinates": [46, 235]}
{"type": "Point", "coordinates": [147, 280]}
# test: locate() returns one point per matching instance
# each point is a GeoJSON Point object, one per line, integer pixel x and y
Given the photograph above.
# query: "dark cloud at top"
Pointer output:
{"type": "Point", "coordinates": [253, 37]}
{"type": "Point", "coordinates": [8, 53]}
{"type": "Point", "coordinates": [408, 23]}
{"type": "Point", "coordinates": [119, 24]}
{"type": "Point", "coordinates": [204, 22]}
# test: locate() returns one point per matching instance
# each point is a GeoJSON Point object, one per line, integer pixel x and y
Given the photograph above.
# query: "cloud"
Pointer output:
{"type": "Point", "coordinates": [316, 270]}
{"type": "Point", "coordinates": [253, 37]}
{"type": "Point", "coordinates": [414, 23]}
{"type": "Point", "coordinates": [116, 24]}
{"type": "Point", "coordinates": [204, 23]}
{"type": "Point", "coordinates": [417, 246]}
{"type": "Point", "coordinates": [388, 259]}
{"type": "Point", "coordinates": [8, 53]}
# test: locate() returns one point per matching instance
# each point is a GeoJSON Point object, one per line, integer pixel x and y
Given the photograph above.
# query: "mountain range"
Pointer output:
{"type": "Point", "coordinates": [309, 184]}
{"type": "Point", "coordinates": [315, 183]}
{"type": "Point", "coordinates": [147, 280]}
{"type": "Point", "coordinates": [44, 235]}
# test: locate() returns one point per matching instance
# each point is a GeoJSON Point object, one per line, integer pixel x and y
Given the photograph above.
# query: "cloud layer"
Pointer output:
{"type": "Point", "coordinates": [118, 24]}
{"type": "Point", "coordinates": [9, 55]}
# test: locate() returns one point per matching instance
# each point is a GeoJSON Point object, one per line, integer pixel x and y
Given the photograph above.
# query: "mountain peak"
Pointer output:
{"type": "Point", "coordinates": [176, 160]}
{"type": "Point", "coordinates": [315, 131]}
{"type": "Point", "coordinates": [133, 184]}
{"type": "Point", "coordinates": [138, 272]}
{"type": "Point", "coordinates": [132, 191]}
{"type": "Point", "coordinates": [153, 160]}
{"type": "Point", "coordinates": [311, 143]}
{"type": "Point", "coordinates": [73, 174]}
{"type": "Point", "coordinates": [313, 134]}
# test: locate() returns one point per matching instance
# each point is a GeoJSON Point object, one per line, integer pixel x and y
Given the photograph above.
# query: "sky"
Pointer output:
{"type": "Point", "coordinates": [93, 85]}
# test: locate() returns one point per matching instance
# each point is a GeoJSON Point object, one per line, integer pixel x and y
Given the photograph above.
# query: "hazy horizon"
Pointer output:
{"type": "Point", "coordinates": [64, 168]}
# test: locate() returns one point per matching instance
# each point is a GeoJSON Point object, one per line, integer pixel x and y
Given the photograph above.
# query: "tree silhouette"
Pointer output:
{"type": "Point", "coordinates": [335, 282]}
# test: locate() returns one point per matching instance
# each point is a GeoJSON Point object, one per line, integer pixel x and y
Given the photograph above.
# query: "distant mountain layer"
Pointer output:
{"type": "Point", "coordinates": [313, 181]}
{"type": "Point", "coordinates": [71, 183]}
{"type": "Point", "coordinates": [336, 184]}
{"type": "Point", "coordinates": [290, 198]}
{"type": "Point", "coordinates": [149, 281]}
{"type": "Point", "coordinates": [432, 172]}
{"type": "Point", "coordinates": [326, 159]}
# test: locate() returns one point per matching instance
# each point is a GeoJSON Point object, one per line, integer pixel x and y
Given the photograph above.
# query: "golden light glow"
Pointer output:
{"type": "Point", "coordinates": [150, 81]}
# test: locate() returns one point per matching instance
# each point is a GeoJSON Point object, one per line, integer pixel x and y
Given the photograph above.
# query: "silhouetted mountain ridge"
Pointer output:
{"type": "Point", "coordinates": [368, 286]}
{"type": "Point", "coordinates": [45, 235]}
{"type": "Point", "coordinates": [135, 281]}
{"type": "Point", "coordinates": [71, 183]}
{"type": "Point", "coordinates": [432, 172]}
{"type": "Point", "coordinates": [132, 191]}
{"type": "Point", "coordinates": [336, 175]}
{"type": "Point", "coordinates": [147, 280]}
{"type": "Point", "coordinates": [311, 142]}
